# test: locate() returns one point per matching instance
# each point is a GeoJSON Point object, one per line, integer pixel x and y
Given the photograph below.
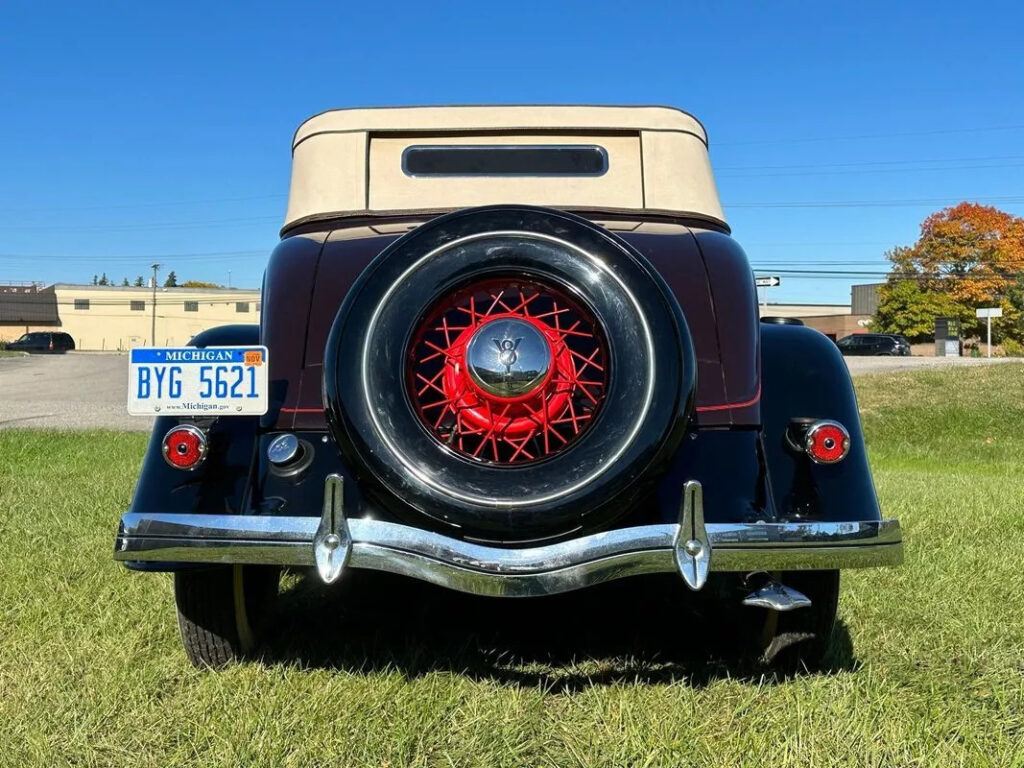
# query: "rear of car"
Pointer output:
{"type": "Point", "coordinates": [514, 352]}
{"type": "Point", "coordinates": [874, 344]}
{"type": "Point", "coordinates": [42, 342]}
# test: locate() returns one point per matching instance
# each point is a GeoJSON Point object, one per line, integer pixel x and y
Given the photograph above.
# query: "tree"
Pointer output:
{"type": "Point", "coordinates": [139, 282]}
{"type": "Point", "coordinates": [967, 256]}
{"type": "Point", "coordinates": [171, 281]}
{"type": "Point", "coordinates": [95, 279]}
{"type": "Point", "coordinates": [199, 284]}
{"type": "Point", "coordinates": [124, 283]}
{"type": "Point", "coordinates": [905, 307]}
{"type": "Point", "coordinates": [104, 280]}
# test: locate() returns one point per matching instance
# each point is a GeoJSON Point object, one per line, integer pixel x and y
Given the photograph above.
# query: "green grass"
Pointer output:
{"type": "Point", "coordinates": [11, 353]}
{"type": "Point", "coordinates": [927, 666]}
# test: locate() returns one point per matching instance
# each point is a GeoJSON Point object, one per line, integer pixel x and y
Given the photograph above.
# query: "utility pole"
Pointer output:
{"type": "Point", "coordinates": [152, 338]}
{"type": "Point", "coordinates": [229, 279]}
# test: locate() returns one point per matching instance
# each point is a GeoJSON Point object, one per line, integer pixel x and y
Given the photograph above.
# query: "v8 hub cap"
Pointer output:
{"type": "Point", "coordinates": [508, 357]}
{"type": "Point", "coordinates": [507, 371]}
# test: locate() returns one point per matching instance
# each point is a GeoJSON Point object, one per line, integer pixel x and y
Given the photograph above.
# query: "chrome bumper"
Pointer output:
{"type": "Point", "coordinates": [332, 543]}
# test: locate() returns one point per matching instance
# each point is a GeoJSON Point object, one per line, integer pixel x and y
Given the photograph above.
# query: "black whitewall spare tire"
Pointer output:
{"type": "Point", "coordinates": [511, 489]}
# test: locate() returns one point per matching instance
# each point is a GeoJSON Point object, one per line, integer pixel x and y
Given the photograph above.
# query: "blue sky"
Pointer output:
{"type": "Point", "coordinates": [142, 131]}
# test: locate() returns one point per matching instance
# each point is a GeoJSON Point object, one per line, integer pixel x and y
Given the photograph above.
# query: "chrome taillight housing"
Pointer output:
{"type": "Point", "coordinates": [184, 446]}
{"type": "Point", "coordinates": [826, 442]}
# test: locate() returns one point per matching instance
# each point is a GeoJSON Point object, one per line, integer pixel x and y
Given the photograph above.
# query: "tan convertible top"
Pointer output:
{"type": "Point", "coordinates": [352, 162]}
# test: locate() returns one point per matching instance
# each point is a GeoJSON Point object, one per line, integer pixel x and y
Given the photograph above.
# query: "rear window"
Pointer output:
{"type": "Point", "coordinates": [500, 160]}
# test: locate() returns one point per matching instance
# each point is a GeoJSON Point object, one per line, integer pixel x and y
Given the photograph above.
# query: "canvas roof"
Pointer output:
{"type": "Point", "coordinates": [349, 162]}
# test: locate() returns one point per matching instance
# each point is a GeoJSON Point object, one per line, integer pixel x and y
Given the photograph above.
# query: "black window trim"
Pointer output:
{"type": "Point", "coordinates": [509, 147]}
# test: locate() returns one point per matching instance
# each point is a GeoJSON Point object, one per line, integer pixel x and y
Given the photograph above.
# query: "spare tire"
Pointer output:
{"type": "Point", "coordinates": [513, 372]}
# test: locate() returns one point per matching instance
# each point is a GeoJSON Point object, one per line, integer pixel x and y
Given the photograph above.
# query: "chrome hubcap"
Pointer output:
{"type": "Point", "coordinates": [508, 357]}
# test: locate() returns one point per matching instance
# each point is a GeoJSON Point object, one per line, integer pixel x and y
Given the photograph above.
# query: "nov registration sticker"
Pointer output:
{"type": "Point", "coordinates": [188, 381]}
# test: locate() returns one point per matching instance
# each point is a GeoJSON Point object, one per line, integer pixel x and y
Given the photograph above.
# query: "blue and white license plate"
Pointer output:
{"type": "Point", "coordinates": [188, 381]}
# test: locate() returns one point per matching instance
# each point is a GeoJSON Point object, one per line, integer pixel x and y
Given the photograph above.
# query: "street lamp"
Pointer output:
{"type": "Point", "coordinates": [152, 338]}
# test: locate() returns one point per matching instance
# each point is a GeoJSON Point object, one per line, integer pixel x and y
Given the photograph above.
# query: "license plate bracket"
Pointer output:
{"type": "Point", "coordinates": [198, 381]}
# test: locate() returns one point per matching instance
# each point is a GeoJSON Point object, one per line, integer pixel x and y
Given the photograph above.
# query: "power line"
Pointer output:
{"type": "Point", "coordinates": [142, 225]}
{"type": "Point", "coordinates": [816, 166]}
{"type": "Point", "coordinates": [100, 259]}
{"type": "Point", "coordinates": [874, 203]}
{"type": "Point", "coordinates": [148, 204]}
{"type": "Point", "coordinates": [900, 134]}
{"type": "Point", "coordinates": [847, 171]}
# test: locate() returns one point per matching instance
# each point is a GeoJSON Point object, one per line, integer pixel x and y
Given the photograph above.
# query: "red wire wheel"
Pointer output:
{"type": "Point", "coordinates": [508, 370]}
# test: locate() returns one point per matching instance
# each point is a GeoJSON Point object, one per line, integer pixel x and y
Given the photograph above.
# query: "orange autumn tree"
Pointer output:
{"type": "Point", "coordinates": [967, 256]}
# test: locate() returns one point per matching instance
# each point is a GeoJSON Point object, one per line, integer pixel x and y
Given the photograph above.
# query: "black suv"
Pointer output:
{"type": "Point", "coordinates": [874, 344]}
{"type": "Point", "coordinates": [43, 341]}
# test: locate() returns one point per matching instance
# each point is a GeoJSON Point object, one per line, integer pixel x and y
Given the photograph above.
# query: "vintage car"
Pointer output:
{"type": "Point", "coordinates": [514, 351]}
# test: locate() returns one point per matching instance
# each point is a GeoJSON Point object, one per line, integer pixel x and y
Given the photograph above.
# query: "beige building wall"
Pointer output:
{"type": "Point", "coordinates": [15, 332]}
{"type": "Point", "coordinates": [803, 310]}
{"type": "Point", "coordinates": [837, 326]}
{"type": "Point", "coordinates": [117, 318]}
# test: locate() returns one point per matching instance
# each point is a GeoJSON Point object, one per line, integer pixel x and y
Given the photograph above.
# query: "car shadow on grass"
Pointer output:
{"type": "Point", "coordinates": [646, 629]}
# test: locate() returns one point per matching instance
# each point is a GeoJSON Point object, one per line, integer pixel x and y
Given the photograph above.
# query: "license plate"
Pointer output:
{"type": "Point", "coordinates": [188, 381]}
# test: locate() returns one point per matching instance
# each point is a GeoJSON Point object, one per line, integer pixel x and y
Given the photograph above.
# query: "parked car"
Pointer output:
{"type": "Point", "coordinates": [874, 344]}
{"type": "Point", "coordinates": [512, 351]}
{"type": "Point", "coordinates": [43, 342]}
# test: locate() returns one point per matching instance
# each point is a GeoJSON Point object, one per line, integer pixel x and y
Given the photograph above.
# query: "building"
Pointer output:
{"type": "Point", "coordinates": [864, 298]}
{"type": "Point", "coordinates": [107, 317]}
{"type": "Point", "coordinates": [803, 310]}
{"type": "Point", "coordinates": [26, 307]}
{"type": "Point", "coordinates": [833, 320]}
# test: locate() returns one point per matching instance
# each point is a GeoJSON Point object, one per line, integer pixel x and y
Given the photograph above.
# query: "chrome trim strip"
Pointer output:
{"type": "Point", "coordinates": [489, 570]}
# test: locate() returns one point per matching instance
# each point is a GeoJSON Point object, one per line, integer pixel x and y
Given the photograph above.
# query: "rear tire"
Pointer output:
{"type": "Point", "coordinates": [222, 610]}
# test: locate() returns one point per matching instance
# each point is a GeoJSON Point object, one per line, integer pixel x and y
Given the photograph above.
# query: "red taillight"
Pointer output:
{"type": "Point", "coordinates": [827, 442]}
{"type": "Point", "coordinates": [51, 346]}
{"type": "Point", "coordinates": [185, 447]}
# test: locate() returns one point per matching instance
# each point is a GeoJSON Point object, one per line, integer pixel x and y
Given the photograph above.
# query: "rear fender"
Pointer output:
{"type": "Point", "coordinates": [220, 484]}
{"type": "Point", "coordinates": [804, 375]}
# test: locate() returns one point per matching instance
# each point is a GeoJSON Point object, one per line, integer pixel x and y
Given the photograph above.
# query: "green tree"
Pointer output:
{"type": "Point", "coordinates": [905, 307]}
{"type": "Point", "coordinates": [95, 279]}
{"type": "Point", "coordinates": [199, 284]}
{"type": "Point", "coordinates": [171, 281]}
{"type": "Point", "coordinates": [139, 282]}
{"type": "Point", "coordinates": [104, 280]}
{"type": "Point", "coordinates": [967, 256]}
{"type": "Point", "coordinates": [124, 283]}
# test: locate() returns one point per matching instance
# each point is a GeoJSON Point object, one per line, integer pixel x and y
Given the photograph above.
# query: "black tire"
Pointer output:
{"type": "Point", "coordinates": [638, 427]}
{"type": "Point", "coordinates": [222, 611]}
{"type": "Point", "coordinates": [796, 640]}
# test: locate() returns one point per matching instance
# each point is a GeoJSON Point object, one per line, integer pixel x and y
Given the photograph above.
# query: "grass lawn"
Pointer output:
{"type": "Point", "coordinates": [11, 353]}
{"type": "Point", "coordinates": [927, 662]}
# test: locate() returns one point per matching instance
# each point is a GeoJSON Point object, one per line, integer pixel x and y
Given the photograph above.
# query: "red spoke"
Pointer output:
{"type": "Point", "coordinates": [464, 416]}
{"type": "Point", "coordinates": [587, 360]}
{"type": "Point", "coordinates": [497, 300]}
{"type": "Point", "coordinates": [430, 383]}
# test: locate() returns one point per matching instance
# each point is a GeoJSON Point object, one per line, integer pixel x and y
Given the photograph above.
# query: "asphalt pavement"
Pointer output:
{"type": "Point", "coordinates": [83, 390]}
{"type": "Point", "coordinates": [72, 391]}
